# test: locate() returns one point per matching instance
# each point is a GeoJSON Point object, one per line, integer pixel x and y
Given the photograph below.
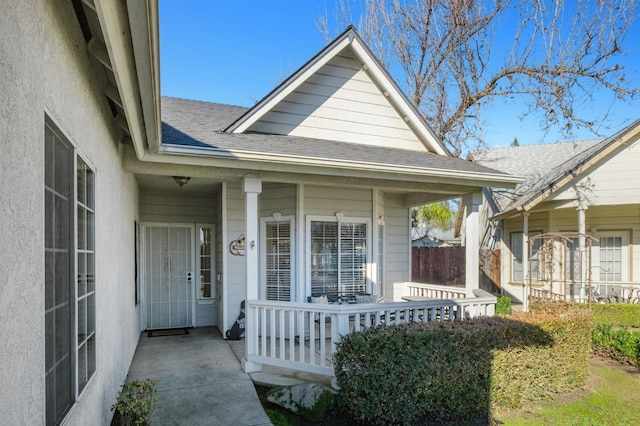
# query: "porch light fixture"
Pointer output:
{"type": "Point", "coordinates": [339, 216]}
{"type": "Point", "coordinates": [181, 180]}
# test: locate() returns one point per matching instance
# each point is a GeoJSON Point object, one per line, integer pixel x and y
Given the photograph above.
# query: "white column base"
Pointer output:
{"type": "Point", "coordinates": [251, 367]}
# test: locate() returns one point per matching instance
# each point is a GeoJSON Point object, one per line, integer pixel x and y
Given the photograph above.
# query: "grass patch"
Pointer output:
{"type": "Point", "coordinates": [610, 397]}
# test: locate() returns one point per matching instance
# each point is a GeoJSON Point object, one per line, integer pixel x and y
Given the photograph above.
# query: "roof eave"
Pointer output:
{"type": "Point", "coordinates": [614, 142]}
{"type": "Point", "coordinates": [481, 179]}
{"type": "Point", "coordinates": [135, 66]}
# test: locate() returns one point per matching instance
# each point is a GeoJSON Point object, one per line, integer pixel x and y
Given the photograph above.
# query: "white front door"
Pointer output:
{"type": "Point", "coordinates": [169, 275]}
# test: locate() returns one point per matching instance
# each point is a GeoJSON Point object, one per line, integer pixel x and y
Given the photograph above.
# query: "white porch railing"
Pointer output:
{"type": "Point", "coordinates": [436, 291]}
{"type": "Point", "coordinates": [303, 336]}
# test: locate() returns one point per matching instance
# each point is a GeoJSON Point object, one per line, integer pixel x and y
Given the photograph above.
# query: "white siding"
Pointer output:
{"type": "Point", "coordinates": [378, 252]}
{"type": "Point", "coordinates": [175, 208]}
{"type": "Point", "coordinates": [615, 182]}
{"type": "Point", "coordinates": [326, 201]}
{"type": "Point", "coordinates": [235, 269]}
{"type": "Point", "coordinates": [277, 198]}
{"type": "Point", "coordinates": [599, 219]}
{"type": "Point", "coordinates": [340, 102]}
{"type": "Point", "coordinates": [398, 250]}
{"type": "Point", "coordinates": [220, 245]}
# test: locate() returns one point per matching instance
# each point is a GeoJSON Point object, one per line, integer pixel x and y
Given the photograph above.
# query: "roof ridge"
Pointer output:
{"type": "Point", "coordinates": [536, 145]}
{"type": "Point", "coordinates": [203, 101]}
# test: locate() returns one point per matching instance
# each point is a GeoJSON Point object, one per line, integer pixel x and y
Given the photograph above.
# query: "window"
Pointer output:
{"type": "Point", "coordinates": [85, 258]}
{"type": "Point", "coordinates": [516, 250]}
{"type": "Point", "coordinates": [612, 259]}
{"type": "Point", "coordinates": [69, 249]}
{"type": "Point", "coordinates": [338, 257]}
{"type": "Point", "coordinates": [573, 263]}
{"type": "Point", "coordinates": [205, 262]}
{"type": "Point", "coordinates": [278, 271]}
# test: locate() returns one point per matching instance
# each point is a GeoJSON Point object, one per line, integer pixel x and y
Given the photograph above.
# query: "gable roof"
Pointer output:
{"type": "Point", "coordinates": [345, 62]}
{"type": "Point", "coordinates": [194, 128]}
{"type": "Point", "coordinates": [547, 168]}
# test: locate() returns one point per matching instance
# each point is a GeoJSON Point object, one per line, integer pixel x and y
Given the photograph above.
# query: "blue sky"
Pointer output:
{"type": "Point", "coordinates": [235, 52]}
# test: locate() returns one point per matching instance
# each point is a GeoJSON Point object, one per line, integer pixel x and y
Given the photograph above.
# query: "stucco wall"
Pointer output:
{"type": "Point", "coordinates": [46, 70]}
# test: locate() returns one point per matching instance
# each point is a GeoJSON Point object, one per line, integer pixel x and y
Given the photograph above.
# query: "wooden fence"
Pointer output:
{"type": "Point", "coordinates": [446, 266]}
{"type": "Point", "coordinates": [438, 265]}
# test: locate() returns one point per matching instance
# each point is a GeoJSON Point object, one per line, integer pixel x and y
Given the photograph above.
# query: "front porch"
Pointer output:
{"type": "Point", "coordinates": [303, 336]}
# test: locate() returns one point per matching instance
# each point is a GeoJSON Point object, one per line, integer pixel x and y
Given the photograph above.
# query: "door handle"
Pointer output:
{"type": "Point", "coordinates": [189, 276]}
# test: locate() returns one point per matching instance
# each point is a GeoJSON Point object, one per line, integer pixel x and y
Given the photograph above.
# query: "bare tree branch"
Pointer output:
{"type": "Point", "coordinates": [458, 56]}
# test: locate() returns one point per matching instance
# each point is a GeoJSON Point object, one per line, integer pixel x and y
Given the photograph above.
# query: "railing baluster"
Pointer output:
{"type": "Point", "coordinates": [278, 321]}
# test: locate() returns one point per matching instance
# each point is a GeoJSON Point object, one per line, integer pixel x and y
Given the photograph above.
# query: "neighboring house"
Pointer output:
{"type": "Point", "coordinates": [116, 220]}
{"type": "Point", "coordinates": [589, 188]}
{"type": "Point", "coordinates": [434, 237]}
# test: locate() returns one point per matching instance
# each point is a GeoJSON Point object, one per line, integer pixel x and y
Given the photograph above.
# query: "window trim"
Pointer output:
{"type": "Point", "coordinates": [512, 255]}
{"type": "Point", "coordinates": [380, 260]}
{"type": "Point", "coordinates": [51, 127]}
{"type": "Point", "coordinates": [338, 218]}
{"type": "Point", "coordinates": [624, 251]}
{"type": "Point", "coordinates": [263, 254]}
{"type": "Point", "coordinates": [198, 260]}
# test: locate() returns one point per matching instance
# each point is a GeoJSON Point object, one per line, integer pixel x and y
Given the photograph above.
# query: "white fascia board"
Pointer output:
{"type": "Point", "coordinates": [398, 99]}
{"type": "Point", "coordinates": [289, 86]}
{"type": "Point", "coordinates": [114, 23]}
{"type": "Point", "coordinates": [488, 179]}
{"type": "Point", "coordinates": [143, 18]}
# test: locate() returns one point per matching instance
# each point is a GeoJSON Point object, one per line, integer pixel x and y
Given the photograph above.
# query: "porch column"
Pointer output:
{"type": "Point", "coordinates": [252, 187]}
{"type": "Point", "coordinates": [472, 239]}
{"type": "Point", "coordinates": [525, 262]}
{"type": "Point", "coordinates": [582, 231]}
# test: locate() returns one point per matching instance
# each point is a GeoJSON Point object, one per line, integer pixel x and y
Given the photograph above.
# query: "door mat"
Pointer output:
{"type": "Point", "coordinates": [168, 332]}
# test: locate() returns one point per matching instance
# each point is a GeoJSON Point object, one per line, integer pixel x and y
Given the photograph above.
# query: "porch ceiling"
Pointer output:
{"type": "Point", "coordinates": [197, 186]}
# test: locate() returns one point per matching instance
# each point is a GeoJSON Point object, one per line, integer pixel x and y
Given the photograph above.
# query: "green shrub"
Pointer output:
{"type": "Point", "coordinates": [527, 373]}
{"type": "Point", "coordinates": [503, 305]}
{"type": "Point", "coordinates": [454, 371]}
{"type": "Point", "coordinates": [135, 403]}
{"type": "Point", "coordinates": [617, 314]}
{"type": "Point", "coordinates": [621, 345]}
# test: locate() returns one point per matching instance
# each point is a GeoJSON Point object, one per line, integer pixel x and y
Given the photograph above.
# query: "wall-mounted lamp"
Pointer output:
{"type": "Point", "coordinates": [181, 180]}
{"type": "Point", "coordinates": [339, 216]}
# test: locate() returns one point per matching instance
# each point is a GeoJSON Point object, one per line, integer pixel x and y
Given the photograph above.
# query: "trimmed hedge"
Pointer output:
{"type": "Point", "coordinates": [533, 373]}
{"type": "Point", "coordinates": [620, 345]}
{"type": "Point", "coordinates": [454, 371]}
{"type": "Point", "coordinates": [617, 314]}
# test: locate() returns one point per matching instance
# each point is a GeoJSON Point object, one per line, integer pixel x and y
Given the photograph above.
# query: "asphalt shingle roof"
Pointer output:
{"type": "Point", "coordinates": [200, 124]}
{"type": "Point", "coordinates": [540, 165]}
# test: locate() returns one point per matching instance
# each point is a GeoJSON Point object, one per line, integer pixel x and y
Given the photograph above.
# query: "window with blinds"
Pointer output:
{"type": "Point", "coordinates": [278, 260]}
{"type": "Point", "coordinates": [338, 258]}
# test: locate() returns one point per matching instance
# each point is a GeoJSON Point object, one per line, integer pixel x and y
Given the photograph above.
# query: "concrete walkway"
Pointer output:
{"type": "Point", "coordinates": [199, 380]}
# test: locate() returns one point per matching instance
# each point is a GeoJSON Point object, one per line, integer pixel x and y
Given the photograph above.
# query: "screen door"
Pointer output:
{"type": "Point", "coordinates": [169, 280]}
